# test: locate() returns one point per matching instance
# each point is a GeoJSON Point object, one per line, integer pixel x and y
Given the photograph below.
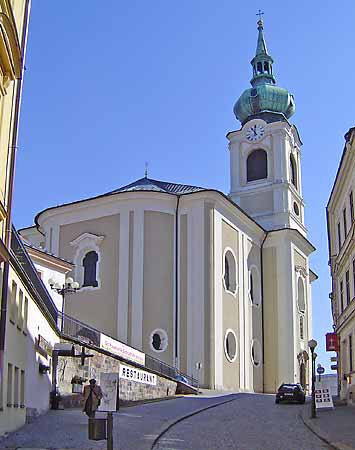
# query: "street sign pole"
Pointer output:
{"type": "Point", "coordinates": [109, 431]}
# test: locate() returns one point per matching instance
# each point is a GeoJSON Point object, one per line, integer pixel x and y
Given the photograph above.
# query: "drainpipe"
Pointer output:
{"type": "Point", "coordinates": [176, 281]}
{"type": "Point", "coordinates": [15, 112]}
{"type": "Point", "coordinates": [262, 303]}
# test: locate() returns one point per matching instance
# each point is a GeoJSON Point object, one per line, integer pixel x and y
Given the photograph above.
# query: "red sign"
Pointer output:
{"type": "Point", "coordinates": [332, 343]}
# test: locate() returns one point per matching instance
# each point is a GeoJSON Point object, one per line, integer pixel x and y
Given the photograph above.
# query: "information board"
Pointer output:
{"type": "Point", "coordinates": [323, 395]}
{"type": "Point", "coordinates": [109, 383]}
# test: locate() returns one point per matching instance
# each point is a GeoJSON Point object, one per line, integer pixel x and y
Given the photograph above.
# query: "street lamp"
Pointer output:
{"type": "Point", "coordinates": [312, 344]}
{"type": "Point", "coordinates": [69, 287]}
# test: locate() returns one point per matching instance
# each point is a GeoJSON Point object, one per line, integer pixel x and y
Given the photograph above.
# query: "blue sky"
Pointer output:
{"type": "Point", "coordinates": [110, 85]}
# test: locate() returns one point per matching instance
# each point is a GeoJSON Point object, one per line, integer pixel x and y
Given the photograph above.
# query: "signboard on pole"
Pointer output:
{"type": "Point", "coordinates": [120, 349]}
{"type": "Point", "coordinates": [323, 395]}
{"type": "Point", "coordinates": [109, 383]}
{"type": "Point", "coordinates": [332, 342]}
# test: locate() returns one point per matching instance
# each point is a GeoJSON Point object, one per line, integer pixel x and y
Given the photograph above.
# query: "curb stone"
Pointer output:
{"type": "Point", "coordinates": [171, 423]}
{"type": "Point", "coordinates": [321, 434]}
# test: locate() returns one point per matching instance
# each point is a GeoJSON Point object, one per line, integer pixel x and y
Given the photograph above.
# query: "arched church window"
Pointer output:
{"type": "Point", "coordinates": [256, 352]}
{"type": "Point", "coordinates": [266, 67]}
{"type": "Point", "coordinates": [254, 286]}
{"type": "Point", "coordinates": [259, 67]}
{"type": "Point", "coordinates": [230, 272]}
{"type": "Point", "coordinates": [293, 171]}
{"type": "Point", "coordinates": [257, 165]}
{"type": "Point", "coordinates": [301, 302]}
{"type": "Point", "coordinates": [90, 265]}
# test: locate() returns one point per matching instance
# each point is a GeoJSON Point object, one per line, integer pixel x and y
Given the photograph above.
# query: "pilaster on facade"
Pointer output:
{"type": "Point", "coordinates": [137, 279]}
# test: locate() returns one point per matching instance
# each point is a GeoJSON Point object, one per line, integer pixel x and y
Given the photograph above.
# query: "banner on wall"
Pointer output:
{"type": "Point", "coordinates": [120, 349]}
{"type": "Point", "coordinates": [140, 376]}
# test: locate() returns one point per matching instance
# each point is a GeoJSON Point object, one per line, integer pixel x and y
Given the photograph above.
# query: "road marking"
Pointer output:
{"type": "Point", "coordinates": [171, 439]}
{"type": "Point", "coordinates": [130, 415]}
{"type": "Point", "coordinates": [151, 436]}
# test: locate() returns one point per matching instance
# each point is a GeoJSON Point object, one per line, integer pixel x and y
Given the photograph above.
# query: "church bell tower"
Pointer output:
{"type": "Point", "coordinates": [265, 154]}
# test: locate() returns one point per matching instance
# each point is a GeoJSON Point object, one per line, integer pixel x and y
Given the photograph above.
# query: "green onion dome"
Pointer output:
{"type": "Point", "coordinates": [265, 98]}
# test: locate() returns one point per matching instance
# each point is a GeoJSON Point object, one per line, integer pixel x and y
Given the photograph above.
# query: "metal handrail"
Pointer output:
{"type": "Point", "coordinates": [87, 334]}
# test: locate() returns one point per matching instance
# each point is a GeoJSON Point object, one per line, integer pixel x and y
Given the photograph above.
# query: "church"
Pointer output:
{"type": "Point", "coordinates": [217, 285]}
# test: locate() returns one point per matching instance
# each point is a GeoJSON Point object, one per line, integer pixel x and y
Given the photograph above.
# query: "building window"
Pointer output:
{"type": "Point", "coordinates": [22, 391]}
{"type": "Point", "coordinates": [230, 345]}
{"type": "Point", "coordinates": [293, 171]}
{"type": "Point", "coordinates": [13, 296]}
{"type": "Point", "coordinates": [344, 223]}
{"type": "Point", "coordinates": [158, 340]}
{"type": "Point", "coordinates": [25, 315]}
{"type": "Point", "coordinates": [230, 272]}
{"type": "Point", "coordinates": [256, 352]}
{"type": "Point", "coordinates": [301, 327]}
{"type": "Point", "coordinates": [351, 204]}
{"type": "Point", "coordinates": [354, 277]}
{"type": "Point", "coordinates": [347, 287]}
{"type": "Point", "coordinates": [301, 302]}
{"type": "Point", "coordinates": [90, 263]}
{"type": "Point", "coordinates": [9, 384]}
{"type": "Point", "coordinates": [257, 165]}
{"type": "Point", "coordinates": [20, 310]}
{"type": "Point", "coordinates": [339, 238]}
{"type": "Point", "coordinates": [350, 353]}
{"type": "Point", "coordinates": [341, 296]}
{"type": "Point", "coordinates": [16, 387]}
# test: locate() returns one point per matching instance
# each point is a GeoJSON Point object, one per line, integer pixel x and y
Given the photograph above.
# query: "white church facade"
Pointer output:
{"type": "Point", "coordinates": [191, 275]}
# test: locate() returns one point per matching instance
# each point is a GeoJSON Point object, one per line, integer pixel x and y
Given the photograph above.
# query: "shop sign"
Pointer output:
{"type": "Point", "coordinates": [120, 349]}
{"type": "Point", "coordinates": [43, 346]}
{"type": "Point", "coordinates": [109, 383]}
{"type": "Point", "coordinates": [323, 395]}
{"type": "Point", "coordinates": [140, 376]}
{"type": "Point", "coordinates": [332, 343]}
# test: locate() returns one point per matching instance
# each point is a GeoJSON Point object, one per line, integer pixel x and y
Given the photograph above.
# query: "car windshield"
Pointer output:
{"type": "Point", "coordinates": [288, 386]}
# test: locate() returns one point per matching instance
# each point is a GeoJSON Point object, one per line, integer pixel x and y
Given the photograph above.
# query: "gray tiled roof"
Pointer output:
{"type": "Point", "coordinates": [147, 184]}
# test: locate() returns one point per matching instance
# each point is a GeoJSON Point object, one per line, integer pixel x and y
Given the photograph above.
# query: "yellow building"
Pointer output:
{"type": "Point", "coordinates": [341, 229]}
{"type": "Point", "coordinates": [14, 16]}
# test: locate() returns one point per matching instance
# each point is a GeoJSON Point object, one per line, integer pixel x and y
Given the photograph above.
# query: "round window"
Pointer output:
{"type": "Point", "coordinates": [256, 352]}
{"type": "Point", "coordinates": [296, 209]}
{"type": "Point", "coordinates": [230, 345]}
{"type": "Point", "coordinates": [158, 340]}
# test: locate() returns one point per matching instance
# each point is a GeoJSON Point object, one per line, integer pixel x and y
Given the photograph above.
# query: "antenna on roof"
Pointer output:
{"type": "Point", "coordinates": [146, 170]}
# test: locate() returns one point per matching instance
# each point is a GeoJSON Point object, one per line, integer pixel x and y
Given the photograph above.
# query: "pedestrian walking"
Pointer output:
{"type": "Point", "coordinates": [92, 398]}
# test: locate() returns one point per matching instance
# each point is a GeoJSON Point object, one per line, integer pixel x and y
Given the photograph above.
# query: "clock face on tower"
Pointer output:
{"type": "Point", "coordinates": [255, 133]}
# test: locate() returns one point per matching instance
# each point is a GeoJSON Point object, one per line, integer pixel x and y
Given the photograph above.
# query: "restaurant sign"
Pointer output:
{"type": "Point", "coordinates": [122, 350]}
{"type": "Point", "coordinates": [140, 376]}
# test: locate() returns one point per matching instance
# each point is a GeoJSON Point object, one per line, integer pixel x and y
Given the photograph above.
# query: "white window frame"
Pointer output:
{"type": "Point", "coordinates": [234, 293]}
{"type": "Point", "coordinates": [229, 330]}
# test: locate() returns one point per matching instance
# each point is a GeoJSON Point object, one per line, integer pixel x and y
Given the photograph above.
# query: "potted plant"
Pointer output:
{"type": "Point", "coordinates": [77, 384]}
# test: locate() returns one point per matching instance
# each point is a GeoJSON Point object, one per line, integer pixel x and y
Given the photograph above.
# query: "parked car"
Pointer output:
{"type": "Point", "coordinates": [289, 392]}
{"type": "Point", "coordinates": [182, 379]}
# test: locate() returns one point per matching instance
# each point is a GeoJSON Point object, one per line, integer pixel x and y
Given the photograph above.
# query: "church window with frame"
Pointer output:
{"type": "Point", "coordinates": [293, 171]}
{"type": "Point", "coordinates": [230, 272]}
{"type": "Point", "coordinates": [90, 268]}
{"type": "Point", "coordinates": [254, 286]}
{"type": "Point", "coordinates": [351, 205]}
{"type": "Point", "coordinates": [344, 223]}
{"type": "Point", "coordinates": [341, 291]}
{"type": "Point", "coordinates": [257, 165]}
{"type": "Point", "coordinates": [256, 353]}
{"type": "Point", "coordinates": [230, 345]}
{"type": "Point", "coordinates": [158, 340]}
{"type": "Point", "coordinates": [301, 301]}
{"type": "Point", "coordinates": [347, 287]}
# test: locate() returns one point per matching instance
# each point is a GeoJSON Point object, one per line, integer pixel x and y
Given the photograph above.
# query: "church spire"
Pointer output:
{"type": "Point", "coordinates": [262, 61]}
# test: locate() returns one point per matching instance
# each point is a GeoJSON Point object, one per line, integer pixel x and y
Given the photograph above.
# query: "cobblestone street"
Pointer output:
{"type": "Point", "coordinates": [243, 422]}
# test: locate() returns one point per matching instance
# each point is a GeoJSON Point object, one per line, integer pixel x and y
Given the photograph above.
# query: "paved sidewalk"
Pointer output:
{"type": "Point", "coordinates": [336, 426]}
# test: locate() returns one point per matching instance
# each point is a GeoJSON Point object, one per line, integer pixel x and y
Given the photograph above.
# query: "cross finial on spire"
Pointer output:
{"type": "Point", "coordinates": [260, 21]}
{"type": "Point", "coordinates": [146, 170]}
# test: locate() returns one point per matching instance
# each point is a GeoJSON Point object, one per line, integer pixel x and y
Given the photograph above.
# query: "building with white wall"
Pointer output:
{"type": "Point", "coordinates": [340, 220]}
{"type": "Point", "coordinates": [191, 275]}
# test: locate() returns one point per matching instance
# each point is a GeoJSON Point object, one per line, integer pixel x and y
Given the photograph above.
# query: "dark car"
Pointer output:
{"type": "Point", "coordinates": [290, 393]}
